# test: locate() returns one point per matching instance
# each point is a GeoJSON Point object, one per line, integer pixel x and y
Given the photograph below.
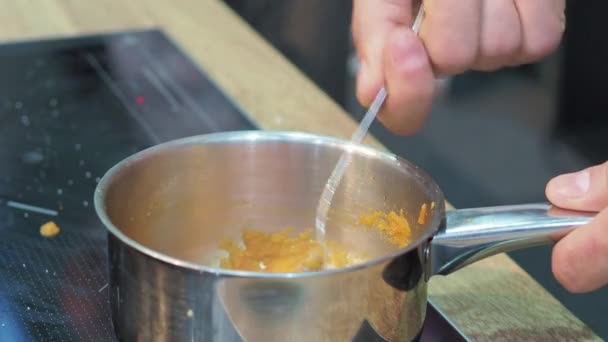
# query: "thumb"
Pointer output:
{"type": "Point", "coordinates": [584, 190]}
{"type": "Point", "coordinates": [372, 22]}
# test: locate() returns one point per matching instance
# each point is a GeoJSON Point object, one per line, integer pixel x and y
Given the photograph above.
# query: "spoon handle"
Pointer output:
{"type": "Point", "coordinates": [369, 117]}
{"type": "Point", "coordinates": [381, 96]}
{"type": "Point", "coordinates": [357, 137]}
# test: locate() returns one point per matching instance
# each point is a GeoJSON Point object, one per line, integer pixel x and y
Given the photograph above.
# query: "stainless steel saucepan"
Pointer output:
{"type": "Point", "coordinates": [167, 209]}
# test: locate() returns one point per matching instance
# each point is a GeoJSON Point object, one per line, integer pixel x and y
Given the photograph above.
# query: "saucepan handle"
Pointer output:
{"type": "Point", "coordinates": [469, 235]}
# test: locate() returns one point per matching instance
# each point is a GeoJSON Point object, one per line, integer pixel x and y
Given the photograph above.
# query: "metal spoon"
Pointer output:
{"type": "Point", "coordinates": [357, 137]}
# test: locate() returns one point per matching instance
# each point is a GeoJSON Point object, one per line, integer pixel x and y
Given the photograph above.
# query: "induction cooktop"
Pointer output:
{"type": "Point", "coordinates": [70, 109]}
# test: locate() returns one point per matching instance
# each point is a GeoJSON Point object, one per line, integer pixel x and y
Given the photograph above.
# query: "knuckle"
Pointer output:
{"type": "Point", "coordinates": [542, 43]}
{"type": "Point", "coordinates": [500, 47]}
{"type": "Point", "coordinates": [449, 57]}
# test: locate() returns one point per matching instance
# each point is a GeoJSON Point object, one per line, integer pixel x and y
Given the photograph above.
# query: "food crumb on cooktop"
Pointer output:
{"type": "Point", "coordinates": [49, 229]}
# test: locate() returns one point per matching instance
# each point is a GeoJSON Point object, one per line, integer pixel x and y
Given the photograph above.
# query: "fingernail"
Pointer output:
{"type": "Point", "coordinates": [573, 184]}
{"type": "Point", "coordinates": [407, 53]}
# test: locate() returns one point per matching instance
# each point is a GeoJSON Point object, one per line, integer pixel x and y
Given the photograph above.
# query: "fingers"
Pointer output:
{"type": "Point", "coordinates": [451, 32]}
{"type": "Point", "coordinates": [580, 260]}
{"type": "Point", "coordinates": [391, 54]}
{"type": "Point", "coordinates": [409, 82]}
{"type": "Point", "coordinates": [456, 35]}
{"type": "Point", "coordinates": [583, 190]}
{"type": "Point", "coordinates": [543, 25]}
{"type": "Point", "coordinates": [372, 22]}
{"type": "Point", "coordinates": [501, 35]}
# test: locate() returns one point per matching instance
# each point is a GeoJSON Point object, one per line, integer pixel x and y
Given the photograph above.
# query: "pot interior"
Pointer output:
{"type": "Point", "coordinates": [183, 198]}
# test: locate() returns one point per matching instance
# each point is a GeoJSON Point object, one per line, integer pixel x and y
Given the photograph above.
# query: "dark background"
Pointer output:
{"type": "Point", "coordinates": [492, 138]}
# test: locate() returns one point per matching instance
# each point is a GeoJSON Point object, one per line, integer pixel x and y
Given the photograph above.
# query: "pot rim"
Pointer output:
{"type": "Point", "coordinates": [421, 176]}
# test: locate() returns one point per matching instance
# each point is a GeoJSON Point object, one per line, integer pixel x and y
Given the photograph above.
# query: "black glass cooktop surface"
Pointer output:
{"type": "Point", "coordinates": [69, 110]}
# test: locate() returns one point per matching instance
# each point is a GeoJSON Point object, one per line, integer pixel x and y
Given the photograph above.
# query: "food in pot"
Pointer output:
{"type": "Point", "coordinates": [284, 251]}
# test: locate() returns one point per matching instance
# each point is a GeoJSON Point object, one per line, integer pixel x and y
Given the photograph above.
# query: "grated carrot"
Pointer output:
{"type": "Point", "coordinates": [394, 226]}
{"type": "Point", "coordinates": [282, 252]}
{"type": "Point", "coordinates": [422, 214]}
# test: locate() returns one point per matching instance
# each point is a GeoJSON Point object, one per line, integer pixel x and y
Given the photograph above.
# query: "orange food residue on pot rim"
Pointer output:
{"type": "Point", "coordinates": [393, 225]}
{"type": "Point", "coordinates": [423, 215]}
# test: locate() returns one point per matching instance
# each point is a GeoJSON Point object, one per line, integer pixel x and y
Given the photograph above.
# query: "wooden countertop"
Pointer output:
{"type": "Point", "coordinates": [490, 300]}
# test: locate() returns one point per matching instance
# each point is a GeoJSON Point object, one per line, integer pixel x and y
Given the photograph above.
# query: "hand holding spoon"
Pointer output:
{"type": "Point", "coordinates": [357, 137]}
